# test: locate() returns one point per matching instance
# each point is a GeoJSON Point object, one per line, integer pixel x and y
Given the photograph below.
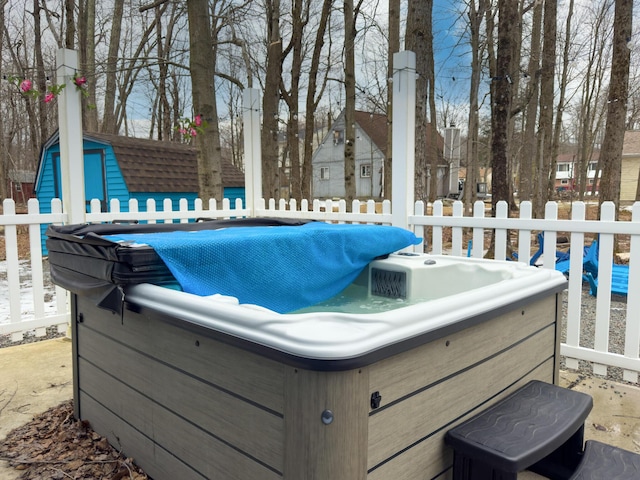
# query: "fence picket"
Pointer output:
{"type": "Point", "coordinates": [500, 252]}
{"type": "Point", "coordinates": [524, 235]}
{"type": "Point", "coordinates": [574, 293]}
{"type": "Point", "coordinates": [37, 278]}
{"type": "Point", "coordinates": [478, 232]}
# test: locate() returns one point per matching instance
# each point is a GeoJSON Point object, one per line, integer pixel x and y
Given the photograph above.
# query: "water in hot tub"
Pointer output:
{"type": "Point", "coordinates": [356, 299]}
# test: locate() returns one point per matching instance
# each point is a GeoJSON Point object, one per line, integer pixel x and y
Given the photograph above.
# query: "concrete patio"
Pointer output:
{"type": "Point", "coordinates": [38, 376]}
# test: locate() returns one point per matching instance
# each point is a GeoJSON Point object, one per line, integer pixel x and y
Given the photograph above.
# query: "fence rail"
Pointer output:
{"type": "Point", "coordinates": [443, 233]}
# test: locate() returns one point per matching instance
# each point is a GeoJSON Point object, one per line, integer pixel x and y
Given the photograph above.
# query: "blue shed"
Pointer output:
{"type": "Point", "coordinates": [125, 167]}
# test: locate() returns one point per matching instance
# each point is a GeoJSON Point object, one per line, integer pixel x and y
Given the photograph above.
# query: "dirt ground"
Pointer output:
{"type": "Point", "coordinates": [56, 446]}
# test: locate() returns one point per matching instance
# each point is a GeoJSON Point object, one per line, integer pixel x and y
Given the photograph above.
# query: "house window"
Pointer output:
{"type": "Point", "coordinates": [365, 170]}
{"type": "Point", "coordinates": [18, 186]}
{"type": "Point", "coordinates": [591, 181]}
{"type": "Point", "coordinates": [562, 167]}
{"type": "Point", "coordinates": [592, 166]}
{"type": "Point", "coordinates": [338, 137]}
{"type": "Point", "coordinates": [324, 173]}
{"type": "Point", "coordinates": [564, 182]}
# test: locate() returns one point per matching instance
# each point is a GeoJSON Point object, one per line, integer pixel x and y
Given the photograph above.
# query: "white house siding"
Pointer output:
{"type": "Point", "coordinates": [629, 178]}
{"type": "Point", "coordinates": [330, 155]}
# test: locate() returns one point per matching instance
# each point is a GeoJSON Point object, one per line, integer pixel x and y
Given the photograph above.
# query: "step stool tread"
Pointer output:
{"type": "Point", "coordinates": [606, 461]}
{"type": "Point", "coordinates": [523, 428]}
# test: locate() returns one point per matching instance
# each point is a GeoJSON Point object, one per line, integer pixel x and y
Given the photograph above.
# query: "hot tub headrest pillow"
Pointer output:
{"type": "Point", "coordinates": [281, 268]}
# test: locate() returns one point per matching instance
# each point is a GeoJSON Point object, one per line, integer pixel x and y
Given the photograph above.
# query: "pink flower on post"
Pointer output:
{"type": "Point", "coordinates": [198, 120]}
{"type": "Point", "coordinates": [26, 85]}
{"type": "Point", "coordinates": [80, 81]}
{"type": "Point", "coordinates": [193, 132]}
{"type": "Point", "coordinates": [48, 97]}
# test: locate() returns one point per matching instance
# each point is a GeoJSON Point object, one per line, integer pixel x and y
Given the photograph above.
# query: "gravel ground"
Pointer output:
{"type": "Point", "coordinates": [617, 316]}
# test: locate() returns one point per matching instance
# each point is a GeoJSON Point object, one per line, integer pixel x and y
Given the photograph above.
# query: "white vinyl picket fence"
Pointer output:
{"type": "Point", "coordinates": [434, 228]}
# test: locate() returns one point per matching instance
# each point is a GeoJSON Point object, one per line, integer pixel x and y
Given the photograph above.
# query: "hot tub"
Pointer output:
{"type": "Point", "coordinates": [197, 387]}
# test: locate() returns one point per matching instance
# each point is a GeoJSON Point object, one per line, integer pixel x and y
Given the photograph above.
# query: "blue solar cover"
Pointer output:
{"type": "Point", "coordinates": [282, 268]}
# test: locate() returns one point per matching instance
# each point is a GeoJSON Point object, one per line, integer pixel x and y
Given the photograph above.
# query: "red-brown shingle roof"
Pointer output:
{"type": "Point", "coordinates": [155, 166]}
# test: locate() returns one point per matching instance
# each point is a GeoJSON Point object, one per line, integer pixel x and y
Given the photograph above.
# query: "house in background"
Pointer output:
{"type": "Point", "coordinates": [567, 174]}
{"type": "Point", "coordinates": [630, 166]}
{"type": "Point", "coordinates": [370, 150]}
{"type": "Point", "coordinates": [20, 186]}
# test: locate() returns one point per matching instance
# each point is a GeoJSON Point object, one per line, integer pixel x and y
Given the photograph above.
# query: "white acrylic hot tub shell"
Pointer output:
{"type": "Point", "coordinates": [338, 336]}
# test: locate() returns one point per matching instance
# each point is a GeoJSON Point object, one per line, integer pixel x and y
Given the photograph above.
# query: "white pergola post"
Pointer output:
{"type": "Point", "coordinates": [403, 148]}
{"type": "Point", "coordinates": [70, 128]}
{"type": "Point", "coordinates": [252, 148]}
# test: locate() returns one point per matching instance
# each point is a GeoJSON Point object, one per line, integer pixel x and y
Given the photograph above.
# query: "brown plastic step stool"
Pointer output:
{"type": "Point", "coordinates": [601, 461]}
{"type": "Point", "coordinates": [539, 427]}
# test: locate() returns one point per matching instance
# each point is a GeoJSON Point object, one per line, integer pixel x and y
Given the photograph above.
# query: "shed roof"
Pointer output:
{"type": "Point", "coordinates": [156, 166]}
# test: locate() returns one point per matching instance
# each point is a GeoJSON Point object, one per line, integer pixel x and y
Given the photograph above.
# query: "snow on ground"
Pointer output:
{"type": "Point", "coordinates": [26, 293]}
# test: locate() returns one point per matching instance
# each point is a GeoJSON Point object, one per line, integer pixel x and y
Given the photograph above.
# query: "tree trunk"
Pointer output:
{"type": "Point", "coordinates": [109, 118]}
{"type": "Point", "coordinates": [4, 154]}
{"type": "Point", "coordinates": [394, 46]}
{"type": "Point", "coordinates": [501, 97]}
{"type": "Point", "coordinates": [88, 63]}
{"type": "Point", "coordinates": [475, 15]}
{"type": "Point", "coordinates": [611, 152]}
{"type": "Point", "coordinates": [561, 101]}
{"type": "Point", "coordinates": [311, 100]}
{"type": "Point", "coordinates": [270, 104]}
{"type": "Point", "coordinates": [416, 41]}
{"type": "Point", "coordinates": [70, 30]}
{"type": "Point", "coordinates": [202, 65]}
{"type": "Point", "coordinates": [292, 97]}
{"type": "Point", "coordinates": [547, 95]}
{"type": "Point", "coordinates": [40, 80]}
{"type": "Point", "coordinates": [350, 104]}
{"type": "Point", "coordinates": [429, 71]}
{"type": "Point", "coordinates": [528, 158]}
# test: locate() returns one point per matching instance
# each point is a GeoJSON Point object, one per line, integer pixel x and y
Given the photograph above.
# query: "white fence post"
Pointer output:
{"type": "Point", "coordinates": [71, 148]}
{"type": "Point", "coordinates": [632, 334]}
{"type": "Point", "coordinates": [402, 149]}
{"type": "Point", "coordinates": [252, 150]}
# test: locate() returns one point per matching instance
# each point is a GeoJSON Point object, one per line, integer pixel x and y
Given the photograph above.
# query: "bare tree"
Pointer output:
{"type": "Point", "coordinates": [476, 13]}
{"type": "Point", "coordinates": [394, 46]}
{"type": "Point", "coordinates": [201, 61]}
{"type": "Point", "coordinates": [564, 74]}
{"type": "Point", "coordinates": [350, 101]}
{"type": "Point", "coordinates": [611, 154]}
{"type": "Point", "coordinates": [547, 95]}
{"type": "Point", "coordinates": [87, 34]}
{"type": "Point", "coordinates": [291, 96]}
{"type": "Point", "coordinates": [528, 153]}
{"type": "Point", "coordinates": [270, 103]}
{"type": "Point", "coordinates": [417, 39]}
{"type": "Point", "coordinates": [314, 96]}
{"type": "Point", "coordinates": [109, 118]}
{"type": "Point", "coordinates": [501, 98]}
{"type": "Point", "coordinates": [590, 115]}
{"type": "Point", "coordinates": [4, 151]}
{"type": "Point", "coordinates": [70, 30]}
